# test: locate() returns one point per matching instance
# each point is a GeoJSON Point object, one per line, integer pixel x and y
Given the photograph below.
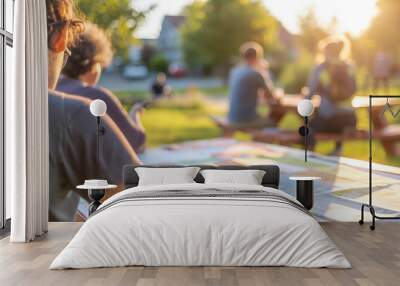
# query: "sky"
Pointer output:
{"type": "Point", "coordinates": [352, 15]}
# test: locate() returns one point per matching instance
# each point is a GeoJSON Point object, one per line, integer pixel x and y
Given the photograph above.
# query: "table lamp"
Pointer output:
{"type": "Point", "coordinates": [305, 108]}
{"type": "Point", "coordinates": [98, 109]}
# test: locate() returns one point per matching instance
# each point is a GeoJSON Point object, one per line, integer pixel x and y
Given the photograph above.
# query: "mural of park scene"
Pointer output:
{"type": "Point", "coordinates": [181, 71]}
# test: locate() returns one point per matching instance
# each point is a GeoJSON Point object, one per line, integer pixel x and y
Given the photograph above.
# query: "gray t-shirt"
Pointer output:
{"type": "Point", "coordinates": [135, 136]}
{"type": "Point", "coordinates": [244, 84]}
{"type": "Point", "coordinates": [73, 156]}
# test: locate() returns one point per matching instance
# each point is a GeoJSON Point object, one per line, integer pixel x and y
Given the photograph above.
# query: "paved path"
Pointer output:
{"type": "Point", "coordinates": [116, 82]}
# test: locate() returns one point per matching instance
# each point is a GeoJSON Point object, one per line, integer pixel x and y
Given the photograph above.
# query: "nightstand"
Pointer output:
{"type": "Point", "coordinates": [96, 191]}
{"type": "Point", "coordinates": [305, 190]}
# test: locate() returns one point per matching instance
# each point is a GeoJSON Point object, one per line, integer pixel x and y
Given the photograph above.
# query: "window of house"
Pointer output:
{"type": "Point", "coordinates": [6, 65]}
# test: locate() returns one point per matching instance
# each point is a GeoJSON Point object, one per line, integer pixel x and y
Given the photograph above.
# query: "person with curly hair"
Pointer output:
{"type": "Point", "coordinates": [81, 74]}
{"type": "Point", "coordinates": [72, 128]}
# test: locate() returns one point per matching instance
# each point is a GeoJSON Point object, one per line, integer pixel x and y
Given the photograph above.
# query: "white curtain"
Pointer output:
{"type": "Point", "coordinates": [27, 151]}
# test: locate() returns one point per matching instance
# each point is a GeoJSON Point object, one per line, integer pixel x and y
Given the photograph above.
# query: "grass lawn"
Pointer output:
{"type": "Point", "coordinates": [187, 117]}
{"type": "Point", "coordinates": [132, 96]}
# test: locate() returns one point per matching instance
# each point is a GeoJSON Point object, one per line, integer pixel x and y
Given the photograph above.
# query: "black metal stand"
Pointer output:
{"type": "Point", "coordinates": [369, 205]}
{"type": "Point", "coordinates": [305, 131]}
{"type": "Point", "coordinates": [100, 131]}
{"type": "Point", "coordinates": [95, 196]}
{"type": "Point", "coordinates": [305, 193]}
{"type": "Point", "coordinates": [98, 139]}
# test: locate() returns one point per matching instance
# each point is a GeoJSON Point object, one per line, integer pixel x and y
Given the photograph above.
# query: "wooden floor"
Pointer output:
{"type": "Point", "coordinates": [375, 257]}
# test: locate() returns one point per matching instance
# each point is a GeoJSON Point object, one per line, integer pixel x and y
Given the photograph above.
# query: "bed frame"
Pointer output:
{"type": "Point", "coordinates": [270, 179]}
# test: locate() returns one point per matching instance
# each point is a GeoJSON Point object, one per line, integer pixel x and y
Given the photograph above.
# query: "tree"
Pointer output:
{"type": "Point", "coordinates": [311, 32]}
{"type": "Point", "coordinates": [383, 30]}
{"type": "Point", "coordinates": [194, 14]}
{"type": "Point", "coordinates": [117, 17]}
{"type": "Point", "coordinates": [215, 29]}
{"type": "Point", "coordinates": [295, 73]}
{"type": "Point", "coordinates": [362, 50]}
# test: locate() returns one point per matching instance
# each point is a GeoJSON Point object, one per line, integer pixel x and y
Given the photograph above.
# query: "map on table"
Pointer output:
{"type": "Point", "coordinates": [338, 196]}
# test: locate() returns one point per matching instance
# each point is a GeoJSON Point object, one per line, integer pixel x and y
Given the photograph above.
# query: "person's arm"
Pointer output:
{"type": "Point", "coordinates": [352, 79]}
{"type": "Point", "coordinates": [265, 84]}
{"type": "Point", "coordinates": [167, 91]}
{"type": "Point", "coordinates": [135, 115]}
{"type": "Point", "coordinates": [313, 82]}
{"type": "Point", "coordinates": [131, 126]}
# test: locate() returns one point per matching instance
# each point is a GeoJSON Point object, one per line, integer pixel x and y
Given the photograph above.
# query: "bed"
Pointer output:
{"type": "Point", "coordinates": [198, 224]}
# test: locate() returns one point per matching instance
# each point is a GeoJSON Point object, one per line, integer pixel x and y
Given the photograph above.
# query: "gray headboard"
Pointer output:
{"type": "Point", "coordinates": [271, 177]}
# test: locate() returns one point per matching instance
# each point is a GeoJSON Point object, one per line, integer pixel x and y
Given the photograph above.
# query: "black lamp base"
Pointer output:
{"type": "Point", "coordinates": [95, 196]}
{"type": "Point", "coordinates": [305, 193]}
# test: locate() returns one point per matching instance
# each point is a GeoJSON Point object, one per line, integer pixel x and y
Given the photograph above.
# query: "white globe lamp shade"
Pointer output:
{"type": "Point", "coordinates": [98, 107]}
{"type": "Point", "coordinates": [305, 107]}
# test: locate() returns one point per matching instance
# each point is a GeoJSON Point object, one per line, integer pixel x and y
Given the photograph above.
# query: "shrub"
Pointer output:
{"type": "Point", "coordinates": [159, 63]}
{"type": "Point", "coordinates": [188, 100]}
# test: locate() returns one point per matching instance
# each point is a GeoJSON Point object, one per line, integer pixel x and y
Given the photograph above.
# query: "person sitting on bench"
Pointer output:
{"type": "Point", "coordinates": [333, 80]}
{"type": "Point", "coordinates": [246, 82]}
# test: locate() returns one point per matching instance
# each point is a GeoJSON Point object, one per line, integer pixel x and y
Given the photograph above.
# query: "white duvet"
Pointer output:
{"type": "Point", "coordinates": [200, 231]}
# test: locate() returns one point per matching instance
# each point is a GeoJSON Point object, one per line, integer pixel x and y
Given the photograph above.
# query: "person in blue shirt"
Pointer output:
{"type": "Point", "coordinates": [247, 82]}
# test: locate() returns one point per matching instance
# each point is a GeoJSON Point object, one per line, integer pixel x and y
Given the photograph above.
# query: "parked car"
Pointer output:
{"type": "Point", "coordinates": [176, 70]}
{"type": "Point", "coordinates": [135, 72]}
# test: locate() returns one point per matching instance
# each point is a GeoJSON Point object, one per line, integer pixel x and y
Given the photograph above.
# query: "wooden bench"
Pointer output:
{"type": "Point", "coordinates": [388, 135]}
{"type": "Point", "coordinates": [227, 130]}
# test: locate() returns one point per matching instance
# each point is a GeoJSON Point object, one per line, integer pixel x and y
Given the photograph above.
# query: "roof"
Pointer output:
{"type": "Point", "coordinates": [286, 38]}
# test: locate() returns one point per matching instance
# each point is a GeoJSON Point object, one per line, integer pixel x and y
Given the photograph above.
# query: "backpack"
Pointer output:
{"type": "Point", "coordinates": [340, 84]}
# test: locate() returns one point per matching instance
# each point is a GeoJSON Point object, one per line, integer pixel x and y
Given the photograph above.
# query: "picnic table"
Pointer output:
{"type": "Point", "coordinates": [387, 134]}
{"type": "Point", "coordinates": [338, 196]}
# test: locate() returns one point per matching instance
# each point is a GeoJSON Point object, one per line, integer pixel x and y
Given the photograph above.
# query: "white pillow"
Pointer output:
{"type": "Point", "coordinates": [166, 176]}
{"type": "Point", "coordinates": [247, 177]}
